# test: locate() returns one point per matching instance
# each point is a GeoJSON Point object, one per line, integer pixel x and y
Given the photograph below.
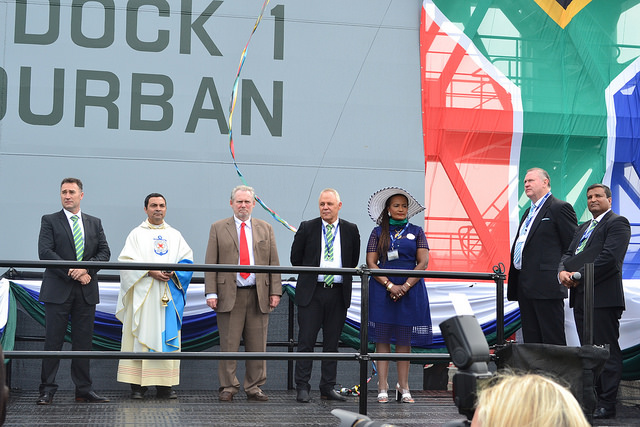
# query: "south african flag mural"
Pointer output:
{"type": "Point", "coordinates": [511, 85]}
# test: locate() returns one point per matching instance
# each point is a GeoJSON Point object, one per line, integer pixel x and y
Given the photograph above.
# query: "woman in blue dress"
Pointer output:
{"type": "Point", "coordinates": [398, 306]}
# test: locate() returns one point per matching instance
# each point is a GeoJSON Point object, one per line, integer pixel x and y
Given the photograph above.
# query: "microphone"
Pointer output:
{"type": "Point", "coordinates": [576, 276]}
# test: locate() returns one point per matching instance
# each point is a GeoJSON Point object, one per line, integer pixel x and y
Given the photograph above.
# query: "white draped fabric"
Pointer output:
{"type": "Point", "coordinates": [481, 296]}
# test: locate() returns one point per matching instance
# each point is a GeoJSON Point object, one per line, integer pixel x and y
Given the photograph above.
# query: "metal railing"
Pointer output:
{"type": "Point", "coordinates": [363, 357]}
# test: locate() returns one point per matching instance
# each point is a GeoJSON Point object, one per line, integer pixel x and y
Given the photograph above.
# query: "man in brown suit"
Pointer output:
{"type": "Point", "coordinates": [242, 301]}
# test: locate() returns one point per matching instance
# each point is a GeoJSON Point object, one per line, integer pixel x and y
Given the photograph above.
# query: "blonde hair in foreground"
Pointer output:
{"type": "Point", "coordinates": [527, 400]}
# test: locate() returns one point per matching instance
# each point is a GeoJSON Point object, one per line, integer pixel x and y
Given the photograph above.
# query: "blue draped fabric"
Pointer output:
{"type": "Point", "coordinates": [625, 183]}
{"type": "Point", "coordinates": [175, 308]}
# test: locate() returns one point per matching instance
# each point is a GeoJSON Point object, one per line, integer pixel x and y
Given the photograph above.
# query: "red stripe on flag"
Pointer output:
{"type": "Point", "coordinates": [468, 124]}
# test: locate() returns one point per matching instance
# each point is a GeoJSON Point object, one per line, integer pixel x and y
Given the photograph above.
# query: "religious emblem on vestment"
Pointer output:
{"type": "Point", "coordinates": [160, 246]}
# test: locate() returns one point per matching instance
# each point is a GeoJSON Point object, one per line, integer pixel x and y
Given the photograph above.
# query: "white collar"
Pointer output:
{"type": "Point", "coordinates": [69, 214]}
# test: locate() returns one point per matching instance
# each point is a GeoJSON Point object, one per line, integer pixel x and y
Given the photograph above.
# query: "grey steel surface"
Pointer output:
{"type": "Point", "coordinates": [202, 408]}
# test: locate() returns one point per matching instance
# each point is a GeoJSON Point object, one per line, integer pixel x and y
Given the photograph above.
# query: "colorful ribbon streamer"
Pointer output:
{"type": "Point", "coordinates": [232, 106]}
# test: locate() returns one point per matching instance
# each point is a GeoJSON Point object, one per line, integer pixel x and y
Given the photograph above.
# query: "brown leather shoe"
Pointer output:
{"type": "Point", "coordinates": [225, 396]}
{"type": "Point", "coordinates": [258, 397]}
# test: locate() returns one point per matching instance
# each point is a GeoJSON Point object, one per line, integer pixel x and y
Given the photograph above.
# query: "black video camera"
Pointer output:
{"type": "Point", "coordinates": [469, 351]}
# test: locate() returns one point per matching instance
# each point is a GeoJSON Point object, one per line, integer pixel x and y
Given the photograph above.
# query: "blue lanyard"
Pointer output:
{"type": "Point", "coordinates": [397, 236]}
{"type": "Point", "coordinates": [532, 212]}
{"type": "Point", "coordinates": [333, 238]}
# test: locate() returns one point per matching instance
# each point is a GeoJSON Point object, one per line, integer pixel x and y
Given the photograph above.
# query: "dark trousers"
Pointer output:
{"type": "Point", "coordinates": [542, 321]}
{"type": "Point", "coordinates": [82, 317]}
{"type": "Point", "coordinates": [606, 330]}
{"type": "Point", "coordinates": [327, 311]}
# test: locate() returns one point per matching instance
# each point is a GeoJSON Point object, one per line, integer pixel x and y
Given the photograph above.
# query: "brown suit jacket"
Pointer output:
{"type": "Point", "coordinates": [223, 248]}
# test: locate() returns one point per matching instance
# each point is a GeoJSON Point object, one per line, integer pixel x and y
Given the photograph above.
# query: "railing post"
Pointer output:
{"type": "Point", "coordinates": [589, 277]}
{"type": "Point", "coordinates": [499, 279]}
{"type": "Point", "coordinates": [291, 342]}
{"type": "Point", "coordinates": [364, 338]}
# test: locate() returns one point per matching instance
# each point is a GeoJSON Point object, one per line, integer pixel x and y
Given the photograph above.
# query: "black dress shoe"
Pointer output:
{"type": "Point", "coordinates": [333, 395]}
{"type": "Point", "coordinates": [91, 397]}
{"type": "Point", "coordinates": [303, 396]}
{"type": "Point", "coordinates": [603, 413]}
{"type": "Point", "coordinates": [166, 393]}
{"type": "Point", "coordinates": [46, 398]}
{"type": "Point", "coordinates": [137, 391]}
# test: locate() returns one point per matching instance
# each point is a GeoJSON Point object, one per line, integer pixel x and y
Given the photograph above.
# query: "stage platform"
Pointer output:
{"type": "Point", "coordinates": [202, 408]}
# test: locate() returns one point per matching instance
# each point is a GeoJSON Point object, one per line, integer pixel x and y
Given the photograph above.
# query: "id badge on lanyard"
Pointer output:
{"type": "Point", "coordinates": [392, 254]}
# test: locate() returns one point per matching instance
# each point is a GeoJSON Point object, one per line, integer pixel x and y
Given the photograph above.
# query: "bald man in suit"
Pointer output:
{"type": "Point", "coordinates": [242, 301]}
{"type": "Point", "coordinates": [323, 302]}
{"type": "Point", "coordinates": [544, 234]}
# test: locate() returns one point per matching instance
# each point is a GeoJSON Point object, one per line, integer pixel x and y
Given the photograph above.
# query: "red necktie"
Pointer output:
{"type": "Point", "coordinates": [244, 251]}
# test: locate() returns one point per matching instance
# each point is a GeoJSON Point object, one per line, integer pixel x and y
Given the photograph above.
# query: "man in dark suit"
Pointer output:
{"type": "Point", "coordinates": [242, 301]}
{"type": "Point", "coordinates": [603, 242]}
{"type": "Point", "coordinates": [323, 300]}
{"type": "Point", "coordinates": [544, 234]}
{"type": "Point", "coordinates": [70, 235]}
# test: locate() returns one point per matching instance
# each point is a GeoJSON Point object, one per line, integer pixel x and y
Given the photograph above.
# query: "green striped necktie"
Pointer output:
{"type": "Point", "coordinates": [78, 240]}
{"type": "Point", "coordinates": [328, 253]}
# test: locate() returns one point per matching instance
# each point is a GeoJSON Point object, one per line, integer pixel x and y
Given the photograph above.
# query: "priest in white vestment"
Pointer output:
{"type": "Point", "coordinates": [151, 302]}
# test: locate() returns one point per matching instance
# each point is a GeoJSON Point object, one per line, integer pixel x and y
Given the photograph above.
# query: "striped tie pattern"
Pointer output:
{"type": "Point", "coordinates": [517, 254]}
{"type": "Point", "coordinates": [78, 240]}
{"type": "Point", "coordinates": [328, 253]}
{"type": "Point", "coordinates": [517, 251]}
{"type": "Point", "coordinates": [585, 236]}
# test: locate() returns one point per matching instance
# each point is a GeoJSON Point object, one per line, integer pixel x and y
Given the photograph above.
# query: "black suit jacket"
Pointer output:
{"type": "Point", "coordinates": [56, 243]}
{"type": "Point", "coordinates": [611, 238]}
{"type": "Point", "coordinates": [548, 238]}
{"type": "Point", "coordinates": [305, 251]}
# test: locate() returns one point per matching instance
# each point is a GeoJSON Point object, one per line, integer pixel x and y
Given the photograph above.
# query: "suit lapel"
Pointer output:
{"type": "Point", "coordinates": [64, 224]}
{"type": "Point", "coordinates": [254, 241]}
{"type": "Point", "coordinates": [344, 241]}
{"type": "Point", "coordinates": [230, 226]}
{"type": "Point", "coordinates": [88, 236]}
{"type": "Point", "coordinates": [597, 230]}
{"type": "Point", "coordinates": [316, 236]}
{"type": "Point", "coordinates": [578, 235]}
{"type": "Point", "coordinates": [538, 219]}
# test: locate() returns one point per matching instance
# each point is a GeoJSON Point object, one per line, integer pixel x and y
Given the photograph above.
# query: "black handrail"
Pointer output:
{"type": "Point", "coordinates": [362, 357]}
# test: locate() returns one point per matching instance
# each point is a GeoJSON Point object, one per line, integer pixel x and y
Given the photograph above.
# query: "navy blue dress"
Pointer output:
{"type": "Point", "coordinates": [408, 320]}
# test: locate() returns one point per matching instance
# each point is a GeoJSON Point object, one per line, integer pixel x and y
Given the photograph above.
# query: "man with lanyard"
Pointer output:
{"type": "Point", "coordinates": [544, 234]}
{"type": "Point", "coordinates": [602, 241]}
{"type": "Point", "coordinates": [323, 299]}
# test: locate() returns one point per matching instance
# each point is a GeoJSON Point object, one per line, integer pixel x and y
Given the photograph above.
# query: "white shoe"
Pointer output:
{"type": "Point", "coordinates": [403, 396]}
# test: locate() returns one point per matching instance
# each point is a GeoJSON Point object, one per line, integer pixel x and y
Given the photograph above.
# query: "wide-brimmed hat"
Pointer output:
{"type": "Point", "coordinates": [378, 200]}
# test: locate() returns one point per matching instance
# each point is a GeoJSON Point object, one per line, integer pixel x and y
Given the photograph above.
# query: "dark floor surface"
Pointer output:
{"type": "Point", "coordinates": [202, 408]}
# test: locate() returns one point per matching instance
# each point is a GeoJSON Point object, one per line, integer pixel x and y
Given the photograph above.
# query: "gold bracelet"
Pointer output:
{"type": "Point", "coordinates": [389, 286]}
{"type": "Point", "coordinates": [407, 283]}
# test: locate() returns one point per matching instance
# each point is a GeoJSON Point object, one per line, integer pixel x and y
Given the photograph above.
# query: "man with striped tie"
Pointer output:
{"type": "Point", "coordinates": [544, 234]}
{"type": "Point", "coordinates": [323, 300]}
{"type": "Point", "coordinates": [602, 241]}
{"type": "Point", "coordinates": [70, 293]}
